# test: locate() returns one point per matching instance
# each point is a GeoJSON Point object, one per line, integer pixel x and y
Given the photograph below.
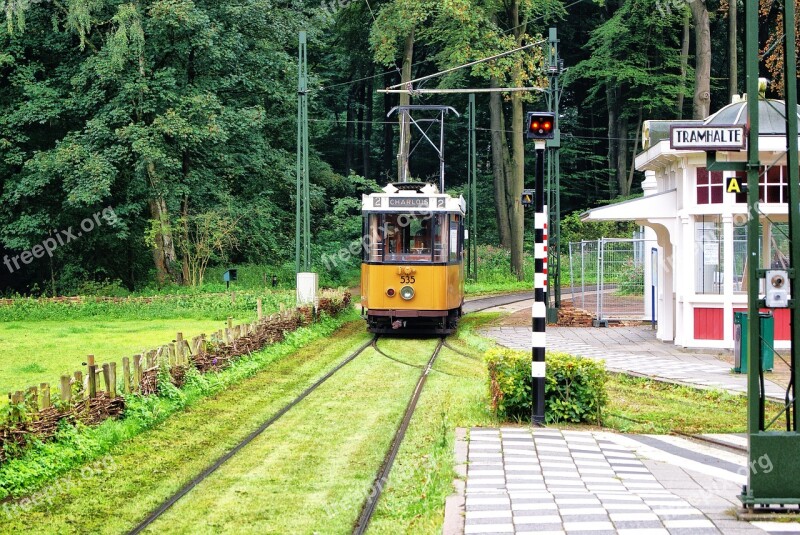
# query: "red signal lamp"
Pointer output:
{"type": "Point", "coordinates": [541, 125]}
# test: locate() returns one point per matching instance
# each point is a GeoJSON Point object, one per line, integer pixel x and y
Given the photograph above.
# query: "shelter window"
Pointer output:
{"type": "Point", "coordinates": [710, 186]}
{"type": "Point", "coordinates": [773, 185]}
{"type": "Point", "coordinates": [709, 255]}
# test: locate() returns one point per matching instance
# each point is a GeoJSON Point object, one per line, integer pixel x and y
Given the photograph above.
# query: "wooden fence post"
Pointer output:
{"type": "Point", "coordinates": [66, 389]}
{"type": "Point", "coordinates": [107, 377]}
{"type": "Point", "coordinates": [44, 391]}
{"type": "Point", "coordinates": [113, 380]}
{"type": "Point", "coordinates": [92, 377]}
{"type": "Point", "coordinates": [137, 372]}
{"type": "Point", "coordinates": [126, 375]}
{"type": "Point", "coordinates": [259, 309]}
{"type": "Point", "coordinates": [179, 345]}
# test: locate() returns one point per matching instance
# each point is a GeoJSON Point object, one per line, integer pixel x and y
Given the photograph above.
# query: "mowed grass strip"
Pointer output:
{"type": "Point", "coordinates": [313, 469]}
{"type": "Point", "coordinates": [148, 469]}
{"type": "Point", "coordinates": [33, 352]}
{"type": "Point", "coordinates": [413, 500]}
{"type": "Point", "coordinates": [659, 407]}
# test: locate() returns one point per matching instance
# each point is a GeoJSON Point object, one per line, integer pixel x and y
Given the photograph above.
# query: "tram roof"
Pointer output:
{"type": "Point", "coordinates": [426, 198]}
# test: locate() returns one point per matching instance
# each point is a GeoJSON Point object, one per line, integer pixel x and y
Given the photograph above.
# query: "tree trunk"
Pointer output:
{"type": "Point", "coordinates": [684, 60]}
{"type": "Point", "coordinates": [622, 157]}
{"type": "Point", "coordinates": [367, 142]}
{"type": "Point", "coordinates": [733, 51]}
{"type": "Point", "coordinates": [164, 256]}
{"type": "Point", "coordinates": [702, 37]}
{"type": "Point", "coordinates": [405, 100]}
{"type": "Point", "coordinates": [388, 131]}
{"type": "Point", "coordinates": [612, 105]}
{"type": "Point", "coordinates": [635, 148]}
{"type": "Point", "coordinates": [514, 186]}
{"type": "Point", "coordinates": [187, 278]}
{"type": "Point", "coordinates": [360, 126]}
{"type": "Point", "coordinates": [164, 250]}
{"type": "Point", "coordinates": [516, 174]}
{"type": "Point", "coordinates": [349, 129]}
{"type": "Point", "coordinates": [500, 163]}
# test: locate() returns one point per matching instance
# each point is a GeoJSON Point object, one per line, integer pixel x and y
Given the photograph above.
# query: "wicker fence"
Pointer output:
{"type": "Point", "coordinates": [92, 395]}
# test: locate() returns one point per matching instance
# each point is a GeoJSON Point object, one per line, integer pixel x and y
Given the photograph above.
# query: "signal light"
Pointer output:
{"type": "Point", "coordinates": [541, 125]}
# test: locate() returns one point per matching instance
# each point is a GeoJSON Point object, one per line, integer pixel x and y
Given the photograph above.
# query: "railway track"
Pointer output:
{"type": "Point", "coordinates": [382, 476]}
{"type": "Point", "coordinates": [172, 500]}
{"type": "Point", "coordinates": [371, 501]}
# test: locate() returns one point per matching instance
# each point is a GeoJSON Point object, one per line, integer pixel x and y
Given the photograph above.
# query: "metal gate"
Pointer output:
{"type": "Point", "coordinates": [610, 278]}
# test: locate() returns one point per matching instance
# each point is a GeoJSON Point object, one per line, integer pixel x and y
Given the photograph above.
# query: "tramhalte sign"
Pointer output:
{"type": "Point", "coordinates": [704, 137]}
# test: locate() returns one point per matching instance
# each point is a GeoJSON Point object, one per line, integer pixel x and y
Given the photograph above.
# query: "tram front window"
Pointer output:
{"type": "Point", "coordinates": [408, 237]}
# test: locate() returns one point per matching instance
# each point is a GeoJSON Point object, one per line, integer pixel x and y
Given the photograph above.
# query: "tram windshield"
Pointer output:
{"type": "Point", "coordinates": [409, 237]}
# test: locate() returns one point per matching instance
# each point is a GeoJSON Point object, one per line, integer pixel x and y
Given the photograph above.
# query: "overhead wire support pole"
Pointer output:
{"type": "Point", "coordinates": [554, 71]}
{"type": "Point", "coordinates": [793, 168]}
{"type": "Point", "coordinates": [303, 209]}
{"type": "Point", "coordinates": [473, 193]}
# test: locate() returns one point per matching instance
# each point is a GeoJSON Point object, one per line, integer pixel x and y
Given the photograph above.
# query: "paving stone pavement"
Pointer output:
{"type": "Point", "coordinates": [548, 481]}
{"type": "Point", "coordinates": [635, 350]}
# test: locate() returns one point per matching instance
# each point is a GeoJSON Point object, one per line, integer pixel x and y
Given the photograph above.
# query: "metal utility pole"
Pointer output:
{"type": "Point", "coordinates": [302, 253]}
{"type": "Point", "coordinates": [472, 195]}
{"type": "Point", "coordinates": [555, 67]}
{"type": "Point", "coordinates": [778, 447]}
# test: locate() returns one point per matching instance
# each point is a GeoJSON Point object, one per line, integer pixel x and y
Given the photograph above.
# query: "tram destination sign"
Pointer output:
{"type": "Point", "coordinates": [402, 202]}
{"type": "Point", "coordinates": [704, 137]}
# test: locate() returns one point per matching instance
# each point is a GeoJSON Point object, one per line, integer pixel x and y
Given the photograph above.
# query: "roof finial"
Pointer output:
{"type": "Point", "coordinates": [762, 88]}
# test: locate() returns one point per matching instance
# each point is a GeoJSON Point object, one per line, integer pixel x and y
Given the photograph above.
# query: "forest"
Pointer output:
{"type": "Point", "coordinates": [142, 142]}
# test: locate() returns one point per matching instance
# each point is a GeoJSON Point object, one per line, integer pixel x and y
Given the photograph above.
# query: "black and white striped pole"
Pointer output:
{"type": "Point", "coordinates": [541, 127]}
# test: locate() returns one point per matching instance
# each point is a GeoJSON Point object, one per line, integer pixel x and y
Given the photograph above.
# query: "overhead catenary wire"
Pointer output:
{"type": "Point", "coordinates": [396, 68]}
{"type": "Point", "coordinates": [470, 64]}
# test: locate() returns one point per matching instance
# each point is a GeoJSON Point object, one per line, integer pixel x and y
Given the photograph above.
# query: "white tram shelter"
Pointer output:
{"type": "Point", "coordinates": [699, 220]}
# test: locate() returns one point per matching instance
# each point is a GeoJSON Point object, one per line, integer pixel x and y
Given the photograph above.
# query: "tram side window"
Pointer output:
{"type": "Point", "coordinates": [455, 243]}
{"type": "Point", "coordinates": [440, 238]}
{"type": "Point", "coordinates": [375, 239]}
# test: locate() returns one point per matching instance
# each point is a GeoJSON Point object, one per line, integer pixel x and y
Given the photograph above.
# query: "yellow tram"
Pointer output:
{"type": "Point", "coordinates": [412, 274]}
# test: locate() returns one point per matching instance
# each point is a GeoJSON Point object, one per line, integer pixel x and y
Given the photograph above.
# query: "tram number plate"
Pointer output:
{"type": "Point", "coordinates": [407, 279]}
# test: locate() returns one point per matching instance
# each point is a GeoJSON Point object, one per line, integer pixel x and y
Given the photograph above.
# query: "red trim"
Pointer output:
{"type": "Point", "coordinates": [708, 324]}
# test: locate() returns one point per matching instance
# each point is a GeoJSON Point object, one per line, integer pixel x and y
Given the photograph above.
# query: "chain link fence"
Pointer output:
{"type": "Point", "coordinates": [608, 278]}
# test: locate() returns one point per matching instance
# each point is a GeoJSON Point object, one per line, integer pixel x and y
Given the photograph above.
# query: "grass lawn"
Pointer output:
{"type": "Point", "coordinates": [33, 352]}
{"type": "Point", "coordinates": [662, 407]}
{"type": "Point", "coordinates": [142, 472]}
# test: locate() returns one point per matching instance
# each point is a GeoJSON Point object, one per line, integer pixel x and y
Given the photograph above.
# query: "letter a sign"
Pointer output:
{"type": "Point", "coordinates": [735, 184]}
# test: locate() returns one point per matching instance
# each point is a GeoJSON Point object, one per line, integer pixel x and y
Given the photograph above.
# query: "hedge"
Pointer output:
{"type": "Point", "coordinates": [575, 388]}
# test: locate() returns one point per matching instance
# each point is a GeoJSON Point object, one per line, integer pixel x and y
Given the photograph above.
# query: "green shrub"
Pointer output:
{"type": "Point", "coordinates": [575, 388]}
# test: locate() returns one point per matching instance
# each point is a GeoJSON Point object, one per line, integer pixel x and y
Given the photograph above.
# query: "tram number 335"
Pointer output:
{"type": "Point", "coordinates": [407, 279]}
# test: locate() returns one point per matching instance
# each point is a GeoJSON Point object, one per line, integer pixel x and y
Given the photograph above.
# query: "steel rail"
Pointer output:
{"type": "Point", "coordinates": [382, 477]}
{"type": "Point", "coordinates": [172, 500]}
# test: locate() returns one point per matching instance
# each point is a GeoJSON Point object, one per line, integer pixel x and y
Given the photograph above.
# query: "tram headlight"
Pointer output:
{"type": "Point", "coordinates": [407, 293]}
